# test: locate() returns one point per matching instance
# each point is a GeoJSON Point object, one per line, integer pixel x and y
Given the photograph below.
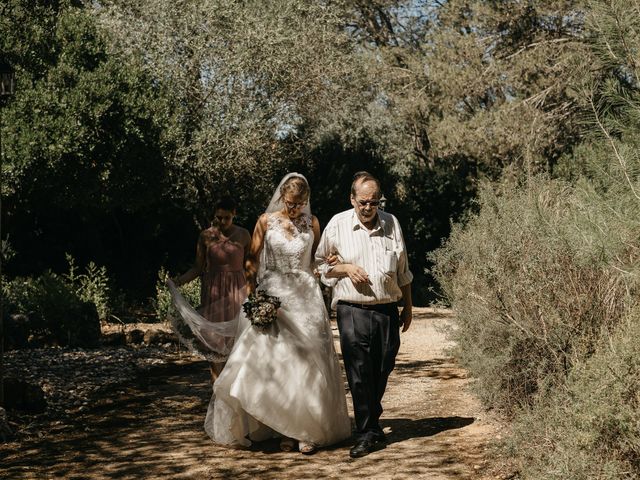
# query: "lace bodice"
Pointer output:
{"type": "Point", "coordinates": [287, 244]}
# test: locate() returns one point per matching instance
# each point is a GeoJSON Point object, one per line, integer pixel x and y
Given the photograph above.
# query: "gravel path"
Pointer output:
{"type": "Point", "coordinates": [135, 414]}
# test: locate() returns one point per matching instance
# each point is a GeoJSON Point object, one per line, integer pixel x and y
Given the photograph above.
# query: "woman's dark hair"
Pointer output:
{"type": "Point", "coordinates": [226, 203]}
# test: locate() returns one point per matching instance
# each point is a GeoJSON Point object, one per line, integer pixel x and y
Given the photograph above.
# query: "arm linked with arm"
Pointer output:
{"type": "Point", "coordinates": [331, 273]}
{"type": "Point", "coordinates": [323, 250]}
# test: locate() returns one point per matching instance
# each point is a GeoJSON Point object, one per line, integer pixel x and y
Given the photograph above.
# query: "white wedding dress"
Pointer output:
{"type": "Point", "coordinates": [284, 380]}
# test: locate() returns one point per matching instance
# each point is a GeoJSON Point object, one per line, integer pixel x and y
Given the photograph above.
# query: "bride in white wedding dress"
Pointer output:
{"type": "Point", "coordinates": [284, 380]}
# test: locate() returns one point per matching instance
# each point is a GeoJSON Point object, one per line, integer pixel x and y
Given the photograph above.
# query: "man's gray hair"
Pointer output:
{"type": "Point", "coordinates": [363, 176]}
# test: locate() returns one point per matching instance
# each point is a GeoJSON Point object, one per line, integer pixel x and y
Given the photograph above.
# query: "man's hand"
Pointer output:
{"type": "Point", "coordinates": [357, 274]}
{"type": "Point", "coordinates": [405, 318]}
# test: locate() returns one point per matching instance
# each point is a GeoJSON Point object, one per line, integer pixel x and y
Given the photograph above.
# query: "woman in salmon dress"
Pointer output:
{"type": "Point", "coordinates": [220, 256]}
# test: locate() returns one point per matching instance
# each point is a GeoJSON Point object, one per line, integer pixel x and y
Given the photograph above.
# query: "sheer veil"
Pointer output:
{"type": "Point", "coordinates": [211, 340]}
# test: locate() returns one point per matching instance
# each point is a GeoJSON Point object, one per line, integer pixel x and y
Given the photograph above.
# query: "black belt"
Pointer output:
{"type": "Point", "coordinates": [369, 306]}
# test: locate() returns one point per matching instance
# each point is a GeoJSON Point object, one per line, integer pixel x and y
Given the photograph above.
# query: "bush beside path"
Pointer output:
{"type": "Point", "coordinates": [150, 426]}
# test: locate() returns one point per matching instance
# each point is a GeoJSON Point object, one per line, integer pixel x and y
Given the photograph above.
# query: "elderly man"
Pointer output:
{"type": "Point", "coordinates": [370, 277]}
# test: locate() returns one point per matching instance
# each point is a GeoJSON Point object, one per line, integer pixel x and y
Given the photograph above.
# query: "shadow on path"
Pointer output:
{"type": "Point", "coordinates": [127, 431]}
{"type": "Point", "coordinates": [406, 428]}
{"type": "Point", "coordinates": [151, 428]}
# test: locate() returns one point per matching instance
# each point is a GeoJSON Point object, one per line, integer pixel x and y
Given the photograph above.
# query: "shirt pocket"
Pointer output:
{"type": "Point", "coordinates": [388, 262]}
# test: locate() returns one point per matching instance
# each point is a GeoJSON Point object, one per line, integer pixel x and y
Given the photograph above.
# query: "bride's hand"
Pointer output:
{"type": "Point", "coordinates": [332, 259]}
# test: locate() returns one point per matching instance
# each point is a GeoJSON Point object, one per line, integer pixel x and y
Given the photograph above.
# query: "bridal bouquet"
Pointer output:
{"type": "Point", "coordinates": [261, 309]}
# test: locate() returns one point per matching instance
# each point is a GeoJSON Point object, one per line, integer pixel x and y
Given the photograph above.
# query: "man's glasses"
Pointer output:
{"type": "Point", "coordinates": [372, 203]}
{"type": "Point", "coordinates": [292, 205]}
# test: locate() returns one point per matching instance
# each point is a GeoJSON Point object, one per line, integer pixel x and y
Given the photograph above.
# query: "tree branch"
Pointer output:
{"type": "Point", "coordinates": [621, 160]}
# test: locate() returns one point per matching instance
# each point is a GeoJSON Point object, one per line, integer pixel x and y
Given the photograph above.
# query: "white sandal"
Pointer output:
{"type": "Point", "coordinates": [307, 448]}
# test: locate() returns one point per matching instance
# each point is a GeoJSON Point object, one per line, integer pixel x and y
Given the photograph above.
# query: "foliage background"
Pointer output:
{"type": "Point", "coordinates": [507, 130]}
{"type": "Point", "coordinates": [132, 118]}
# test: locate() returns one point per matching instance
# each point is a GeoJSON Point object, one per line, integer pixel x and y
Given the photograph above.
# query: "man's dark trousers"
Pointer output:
{"type": "Point", "coordinates": [369, 339]}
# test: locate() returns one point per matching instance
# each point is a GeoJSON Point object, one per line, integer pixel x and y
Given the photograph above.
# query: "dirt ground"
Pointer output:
{"type": "Point", "coordinates": [152, 428]}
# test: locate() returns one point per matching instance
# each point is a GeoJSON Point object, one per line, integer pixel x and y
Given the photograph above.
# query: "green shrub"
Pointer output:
{"type": "Point", "coordinates": [57, 314]}
{"type": "Point", "coordinates": [591, 428]}
{"type": "Point", "coordinates": [21, 296]}
{"type": "Point", "coordinates": [536, 279]}
{"type": "Point", "coordinates": [91, 286]}
{"type": "Point", "coordinates": [545, 281]}
{"type": "Point", "coordinates": [162, 303]}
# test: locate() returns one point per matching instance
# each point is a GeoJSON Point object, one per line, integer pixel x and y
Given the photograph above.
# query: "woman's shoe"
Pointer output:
{"type": "Point", "coordinates": [287, 444]}
{"type": "Point", "coordinates": [307, 448]}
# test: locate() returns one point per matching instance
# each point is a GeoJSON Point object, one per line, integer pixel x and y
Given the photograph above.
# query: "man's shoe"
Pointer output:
{"type": "Point", "coordinates": [365, 447]}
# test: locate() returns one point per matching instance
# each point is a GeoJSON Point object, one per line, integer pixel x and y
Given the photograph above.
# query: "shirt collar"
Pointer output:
{"type": "Point", "coordinates": [357, 224]}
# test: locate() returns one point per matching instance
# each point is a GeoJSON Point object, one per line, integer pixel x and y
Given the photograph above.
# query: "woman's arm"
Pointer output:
{"type": "Point", "coordinates": [253, 259]}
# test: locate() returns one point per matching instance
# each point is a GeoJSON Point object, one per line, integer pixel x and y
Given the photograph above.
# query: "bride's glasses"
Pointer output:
{"type": "Point", "coordinates": [292, 205]}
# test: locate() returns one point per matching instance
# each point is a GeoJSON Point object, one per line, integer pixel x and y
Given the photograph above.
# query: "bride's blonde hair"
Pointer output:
{"type": "Point", "coordinates": [297, 186]}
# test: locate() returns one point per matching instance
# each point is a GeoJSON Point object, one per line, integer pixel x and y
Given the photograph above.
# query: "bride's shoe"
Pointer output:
{"type": "Point", "coordinates": [307, 448]}
{"type": "Point", "coordinates": [287, 444]}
